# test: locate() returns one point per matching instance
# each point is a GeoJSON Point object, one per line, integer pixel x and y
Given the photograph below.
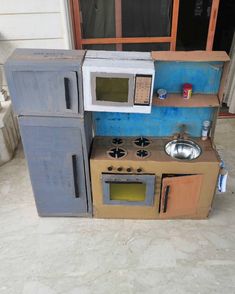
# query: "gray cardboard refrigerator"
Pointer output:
{"type": "Point", "coordinates": [46, 82]}
{"type": "Point", "coordinates": [57, 152]}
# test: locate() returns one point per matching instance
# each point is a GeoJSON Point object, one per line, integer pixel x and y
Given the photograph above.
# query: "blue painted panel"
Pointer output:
{"type": "Point", "coordinates": [163, 121]}
{"type": "Point", "coordinates": [204, 76]}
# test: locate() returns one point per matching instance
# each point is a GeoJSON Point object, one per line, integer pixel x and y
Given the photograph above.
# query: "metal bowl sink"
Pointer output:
{"type": "Point", "coordinates": [183, 149]}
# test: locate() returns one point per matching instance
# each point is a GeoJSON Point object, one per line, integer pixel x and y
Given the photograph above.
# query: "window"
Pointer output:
{"type": "Point", "coordinates": [118, 24]}
{"type": "Point", "coordinates": [132, 25]}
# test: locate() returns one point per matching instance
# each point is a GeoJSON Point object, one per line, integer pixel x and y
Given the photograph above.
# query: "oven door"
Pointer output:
{"type": "Point", "coordinates": [123, 189]}
{"type": "Point", "coordinates": [112, 89]}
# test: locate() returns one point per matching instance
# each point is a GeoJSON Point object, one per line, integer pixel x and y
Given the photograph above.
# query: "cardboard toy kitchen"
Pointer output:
{"type": "Point", "coordinates": [119, 134]}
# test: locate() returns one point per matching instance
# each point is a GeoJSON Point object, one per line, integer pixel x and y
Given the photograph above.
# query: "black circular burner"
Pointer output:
{"type": "Point", "coordinates": [141, 142]}
{"type": "Point", "coordinates": [117, 141]}
{"type": "Point", "coordinates": [142, 153]}
{"type": "Point", "coordinates": [117, 152]}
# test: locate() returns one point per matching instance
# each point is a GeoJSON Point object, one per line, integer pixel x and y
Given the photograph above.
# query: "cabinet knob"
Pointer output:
{"type": "Point", "coordinates": [139, 170]}
{"type": "Point", "coordinates": [110, 168]}
{"type": "Point", "coordinates": [128, 169]}
{"type": "Point", "coordinates": [119, 168]}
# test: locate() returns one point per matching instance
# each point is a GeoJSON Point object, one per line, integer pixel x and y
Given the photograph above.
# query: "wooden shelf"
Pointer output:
{"type": "Point", "coordinates": [193, 56]}
{"type": "Point", "coordinates": [197, 100]}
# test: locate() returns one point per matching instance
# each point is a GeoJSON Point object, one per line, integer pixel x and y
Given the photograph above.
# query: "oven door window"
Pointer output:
{"type": "Point", "coordinates": [112, 89]}
{"type": "Point", "coordinates": [128, 189]}
{"type": "Point", "coordinates": [128, 192]}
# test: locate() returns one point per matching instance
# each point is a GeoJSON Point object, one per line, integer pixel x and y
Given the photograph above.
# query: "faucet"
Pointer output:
{"type": "Point", "coordinates": [182, 134]}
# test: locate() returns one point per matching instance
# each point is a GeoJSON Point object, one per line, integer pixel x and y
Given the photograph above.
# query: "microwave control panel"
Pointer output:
{"type": "Point", "coordinates": [143, 85]}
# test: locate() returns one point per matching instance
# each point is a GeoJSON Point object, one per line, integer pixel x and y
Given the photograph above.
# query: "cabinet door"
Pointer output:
{"type": "Point", "coordinates": [56, 166]}
{"type": "Point", "coordinates": [180, 195]}
{"type": "Point", "coordinates": [45, 92]}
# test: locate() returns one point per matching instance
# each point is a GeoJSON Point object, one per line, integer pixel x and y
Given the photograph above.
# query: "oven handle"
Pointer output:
{"type": "Point", "coordinates": [122, 182]}
{"type": "Point", "coordinates": [166, 199]}
{"type": "Point", "coordinates": [67, 95]}
{"type": "Point", "coordinates": [75, 176]}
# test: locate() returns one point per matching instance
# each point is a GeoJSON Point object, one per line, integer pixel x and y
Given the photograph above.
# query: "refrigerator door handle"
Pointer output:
{"type": "Point", "coordinates": [67, 93]}
{"type": "Point", "coordinates": [75, 176]}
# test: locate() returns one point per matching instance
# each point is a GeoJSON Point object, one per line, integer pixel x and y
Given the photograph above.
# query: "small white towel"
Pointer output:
{"type": "Point", "coordinates": [222, 180]}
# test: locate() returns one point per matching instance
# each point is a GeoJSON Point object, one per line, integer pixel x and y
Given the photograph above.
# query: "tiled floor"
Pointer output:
{"type": "Point", "coordinates": [81, 256]}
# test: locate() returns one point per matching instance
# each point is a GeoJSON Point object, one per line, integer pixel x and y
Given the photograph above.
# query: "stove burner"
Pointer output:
{"type": "Point", "coordinates": [117, 152]}
{"type": "Point", "coordinates": [142, 153]}
{"type": "Point", "coordinates": [117, 141]}
{"type": "Point", "coordinates": [141, 142]}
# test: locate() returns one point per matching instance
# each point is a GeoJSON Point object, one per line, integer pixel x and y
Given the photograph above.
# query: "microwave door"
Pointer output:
{"type": "Point", "coordinates": [111, 89]}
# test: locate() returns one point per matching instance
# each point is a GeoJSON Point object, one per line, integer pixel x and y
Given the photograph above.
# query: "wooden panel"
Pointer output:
{"type": "Point", "coordinates": [174, 24]}
{"type": "Point", "coordinates": [7, 47]}
{"type": "Point", "coordinates": [31, 26]}
{"type": "Point", "coordinates": [212, 24]}
{"type": "Point", "coordinates": [195, 56]}
{"type": "Point", "coordinates": [76, 22]}
{"type": "Point", "coordinates": [29, 6]}
{"type": "Point", "coordinates": [183, 196]}
{"type": "Point", "coordinates": [118, 22]}
{"type": "Point", "coordinates": [197, 100]}
{"type": "Point", "coordinates": [126, 40]}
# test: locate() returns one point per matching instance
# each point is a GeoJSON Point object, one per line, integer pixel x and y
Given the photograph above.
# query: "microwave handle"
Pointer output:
{"type": "Point", "coordinates": [67, 93]}
{"type": "Point", "coordinates": [75, 176]}
{"type": "Point", "coordinates": [165, 202]}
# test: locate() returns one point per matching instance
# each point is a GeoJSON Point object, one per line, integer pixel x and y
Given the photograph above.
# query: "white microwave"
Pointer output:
{"type": "Point", "coordinates": [118, 81]}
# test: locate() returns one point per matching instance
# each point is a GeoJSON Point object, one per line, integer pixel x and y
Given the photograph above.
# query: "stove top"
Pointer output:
{"type": "Point", "coordinates": [123, 155]}
{"type": "Point", "coordinates": [142, 153]}
{"type": "Point", "coordinates": [117, 152]}
{"type": "Point", "coordinates": [125, 148]}
{"type": "Point", "coordinates": [117, 141]}
{"type": "Point", "coordinates": [141, 142]}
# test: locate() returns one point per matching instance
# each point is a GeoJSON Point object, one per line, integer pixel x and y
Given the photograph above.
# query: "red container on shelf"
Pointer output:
{"type": "Point", "coordinates": [187, 90]}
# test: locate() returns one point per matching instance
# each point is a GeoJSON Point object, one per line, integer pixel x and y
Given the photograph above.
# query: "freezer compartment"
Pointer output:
{"type": "Point", "coordinates": [46, 82]}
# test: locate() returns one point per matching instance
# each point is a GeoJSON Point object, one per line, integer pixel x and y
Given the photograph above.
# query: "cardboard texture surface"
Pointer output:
{"type": "Point", "coordinates": [60, 170]}
{"type": "Point", "coordinates": [46, 82]}
{"type": "Point", "coordinates": [195, 56]}
{"type": "Point", "coordinates": [47, 90]}
{"type": "Point", "coordinates": [206, 166]}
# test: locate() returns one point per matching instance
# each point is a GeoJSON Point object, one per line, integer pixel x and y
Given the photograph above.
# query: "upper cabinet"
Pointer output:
{"type": "Point", "coordinates": [205, 70]}
{"type": "Point", "coordinates": [46, 82]}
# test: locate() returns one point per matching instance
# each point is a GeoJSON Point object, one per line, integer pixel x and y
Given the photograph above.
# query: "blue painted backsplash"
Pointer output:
{"type": "Point", "coordinates": [163, 121]}
{"type": "Point", "coordinates": [204, 76]}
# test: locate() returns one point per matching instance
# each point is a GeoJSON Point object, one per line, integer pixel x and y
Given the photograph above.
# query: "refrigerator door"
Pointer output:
{"type": "Point", "coordinates": [54, 151]}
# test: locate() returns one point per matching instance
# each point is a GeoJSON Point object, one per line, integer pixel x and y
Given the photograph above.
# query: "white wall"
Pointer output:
{"type": "Point", "coordinates": [33, 24]}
